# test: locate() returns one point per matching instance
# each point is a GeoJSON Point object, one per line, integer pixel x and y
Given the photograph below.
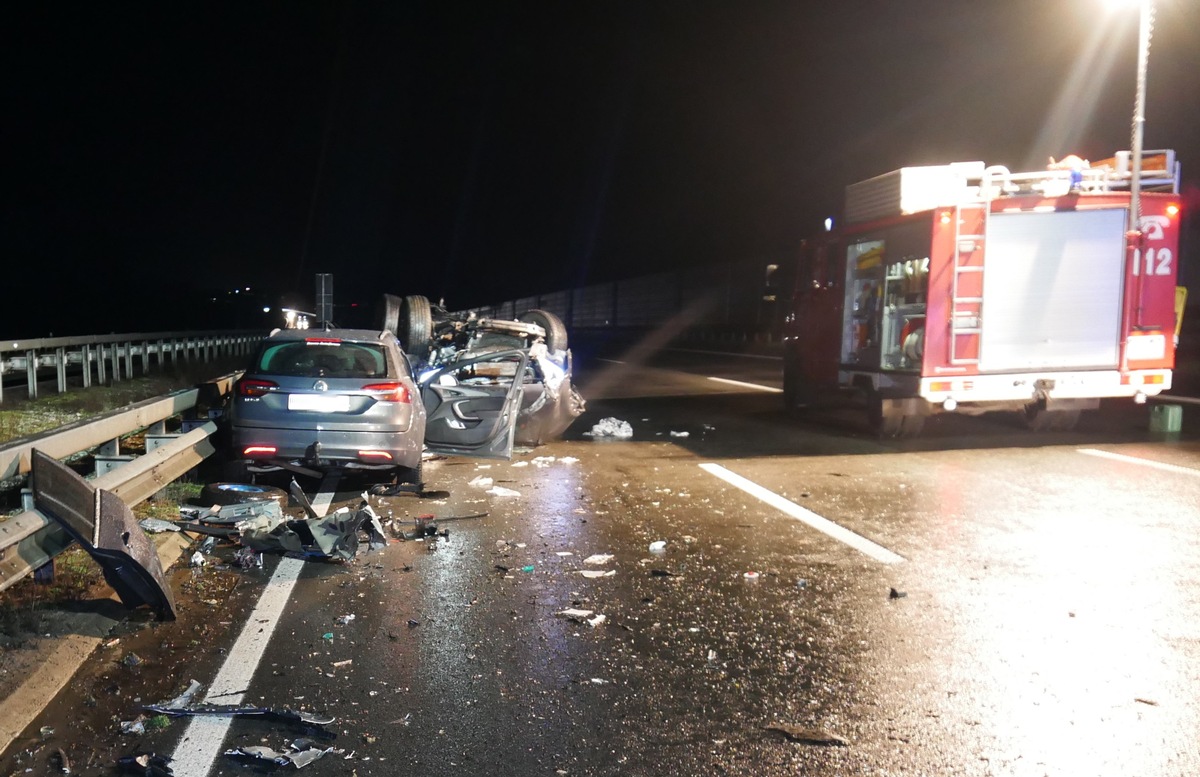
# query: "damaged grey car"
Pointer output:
{"type": "Point", "coordinates": [446, 349]}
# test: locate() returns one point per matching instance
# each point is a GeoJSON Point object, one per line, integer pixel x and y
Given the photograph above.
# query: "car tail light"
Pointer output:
{"type": "Point", "coordinates": [390, 392]}
{"type": "Point", "coordinates": [252, 451]}
{"type": "Point", "coordinates": [255, 388]}
{"type": "Point", "coordinates": [375, 455]}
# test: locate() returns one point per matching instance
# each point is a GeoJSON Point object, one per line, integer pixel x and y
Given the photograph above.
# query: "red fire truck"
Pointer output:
{"type": "Point", "coordinates": [969, 288]}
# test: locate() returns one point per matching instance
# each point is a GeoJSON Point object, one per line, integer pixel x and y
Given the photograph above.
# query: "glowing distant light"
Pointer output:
{"type": "Point", "coordinates": [828, 225]}
{"type": "Point", "coordinates": [266, 308]}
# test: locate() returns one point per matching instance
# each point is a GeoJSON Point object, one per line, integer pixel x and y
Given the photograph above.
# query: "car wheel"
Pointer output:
{"type": "Point", "coordinates": [556, 331]}
{"type": "Point", "coordinates": [241, 493]}
{"type": "Point", "coordinates": [415, 325]}
{"type": "Point", "coordinates": [414, 475]}
{"type": "Point", "coordinates": [389, 313]}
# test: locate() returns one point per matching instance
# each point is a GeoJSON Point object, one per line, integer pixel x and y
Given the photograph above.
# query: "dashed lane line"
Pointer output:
{"type": "Point", "coordinates": [1143, 462]}
{"type": "Point", "coordinates": [202, 740]}
{"type": "Point", "coordinates": [828, 527]}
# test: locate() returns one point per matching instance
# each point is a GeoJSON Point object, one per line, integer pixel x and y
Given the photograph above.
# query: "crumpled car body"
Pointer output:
{"type": "Point", "coordinates": [442, 344]}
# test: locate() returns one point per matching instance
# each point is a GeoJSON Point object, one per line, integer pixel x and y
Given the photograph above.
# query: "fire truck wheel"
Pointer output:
{"type": "Point", "coordinates": [794, 399]}
{"type": "Point", "coordinates": [892, 425]}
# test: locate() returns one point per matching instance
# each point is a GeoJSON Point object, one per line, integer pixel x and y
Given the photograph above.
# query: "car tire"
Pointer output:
{"type": "Point", "coordinates": [415, 325]}
{"type": "Point", "coordinates": [556, 331]}
{"type": "Point", "coordinates": [389, 313]}
{"type": "Point", "coordinates": [224, 494]}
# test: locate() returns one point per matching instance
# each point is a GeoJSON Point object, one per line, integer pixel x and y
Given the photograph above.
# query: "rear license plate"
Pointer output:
{"type": "Point", "coordinates": [320, 403]}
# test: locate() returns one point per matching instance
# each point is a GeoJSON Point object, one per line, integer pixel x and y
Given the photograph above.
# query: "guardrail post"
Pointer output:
{"type": "Point", "coordinates": [145, 357]}
{"type": "Point", "coordinates": [31, 373]}
{"type": "Point", "coordinates": [101, 367]}
{"type": "Point", "coordinates": [60, 358]}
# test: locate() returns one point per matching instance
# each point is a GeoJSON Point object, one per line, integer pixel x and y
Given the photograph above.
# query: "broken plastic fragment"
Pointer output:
{"type": "Point", "coordinates": [296, 758]}
{"type": "Point", "coordinates": [575, 614]}
{"type": "Point", "coordinates": [611, 427]}
{"type": "Point", "coordinates": [157, 525]}
{"type": "Point", "coordinates": [751, 575]}
{"type": "Point", "coordinates": [658, 546]}
{"type": "Point", "coordinates": [594, 573]}
{"type": "Point", "coordinates": [136, 727]}
{"type": "Point", "coordinates": [596, 621]}
{"type": "Point", "coordinates": [198, 559]}
{"type": "Point", "coordinates": [481, 482]}
{"type": "Point", "coordinates": [150, 764]}
{"type": "Point", "coordinates": [808, 736]}
{"type": "Point", "coordinates": [502, 491]}
{"type": "Point", "coordinates": [599, 558]}
{"type": "Point", "coordinates": [185, 698]}
{"type": "Point", "coordinates": [679, 434]}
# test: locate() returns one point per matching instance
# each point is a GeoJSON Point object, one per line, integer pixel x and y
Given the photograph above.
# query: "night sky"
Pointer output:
{"type": "Point", "coordinates": [158, 155]}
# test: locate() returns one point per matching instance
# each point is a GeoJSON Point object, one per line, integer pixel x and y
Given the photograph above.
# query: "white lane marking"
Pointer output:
{"type": "Point", "coordinates": [610, 361]}
{"type": "Point", "coordinates": [1144, 462]}
{"type": "Point", "coordinates": [756, 386]}
{"type": "Point", "coordinates": [203, 738]}
{"type": "Point", "coordinates": [840, 533]}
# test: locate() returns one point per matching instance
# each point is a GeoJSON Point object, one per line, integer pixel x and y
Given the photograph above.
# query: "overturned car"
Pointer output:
{"type": "Point", "coordinates": [438, 341]}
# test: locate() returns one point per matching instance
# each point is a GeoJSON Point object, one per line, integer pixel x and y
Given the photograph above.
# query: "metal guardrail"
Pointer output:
{"type": "Point", "coordinates": [30, 540]}
{"type": "Point", "coordinates": [114, 355]}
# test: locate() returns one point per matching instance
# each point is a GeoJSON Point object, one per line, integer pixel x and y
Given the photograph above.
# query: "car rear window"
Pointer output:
{"type": "Point", "coordinates": [322, 359]}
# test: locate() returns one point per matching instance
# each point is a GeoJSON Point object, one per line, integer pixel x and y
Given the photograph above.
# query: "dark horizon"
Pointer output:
{"type": "Point", "coordinates": [162, 155]}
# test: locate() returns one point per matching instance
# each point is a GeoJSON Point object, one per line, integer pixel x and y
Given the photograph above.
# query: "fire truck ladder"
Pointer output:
{"type": "Point", "coordinates": [966, 309]}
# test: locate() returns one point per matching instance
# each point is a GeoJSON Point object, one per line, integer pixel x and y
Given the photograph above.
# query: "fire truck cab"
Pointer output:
{"type": "Point", "coordinates": [969, 288]}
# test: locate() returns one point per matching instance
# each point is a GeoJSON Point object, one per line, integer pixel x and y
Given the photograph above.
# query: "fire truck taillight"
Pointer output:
{"type": "Point", "coordinates": [941, 385]}
{"type": "Point", "coordinates": [1144, 379]}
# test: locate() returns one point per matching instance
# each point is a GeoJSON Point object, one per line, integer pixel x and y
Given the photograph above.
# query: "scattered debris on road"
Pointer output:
{"type": "Point", "coordinates": [611, 427]}
{"type": "Point", "coordinates": [808, 736]}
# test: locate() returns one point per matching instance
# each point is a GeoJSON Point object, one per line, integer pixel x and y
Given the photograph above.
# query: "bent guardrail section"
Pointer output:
{"type": "Point", "coordinates": [30, 539]}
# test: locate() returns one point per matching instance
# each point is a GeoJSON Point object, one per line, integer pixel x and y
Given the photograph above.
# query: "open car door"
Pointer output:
{"type": "Point", "coordinates": [472, 405]}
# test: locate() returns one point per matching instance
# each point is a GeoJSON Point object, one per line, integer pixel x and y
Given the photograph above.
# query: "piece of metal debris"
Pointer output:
{"type": "Point", "coordinates": [106, 528]}
{"type": "Point", "coordinates": [147, 764]}
{"type": "Point", "coordinates": [894, 594]}
{"type": "Point", "coordinates": [294, 757]}
{"type": "Point", "coordinates": [243, 710]}
{"type": "Point", "coordinates": [62, 763]}
{"type": "Point", "coordinates": [808, 736]}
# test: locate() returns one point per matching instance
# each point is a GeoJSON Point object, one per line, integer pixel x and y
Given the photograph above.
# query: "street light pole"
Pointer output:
{"type": "Point", "coordinates": [1145, 30]}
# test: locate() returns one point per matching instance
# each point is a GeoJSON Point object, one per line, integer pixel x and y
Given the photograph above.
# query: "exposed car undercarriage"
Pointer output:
{"type": "Point", "coordinates": [436, 340]}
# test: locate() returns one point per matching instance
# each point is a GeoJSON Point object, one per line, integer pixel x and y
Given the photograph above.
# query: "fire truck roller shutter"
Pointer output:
{"type": "Point", "coordinates": [1052, 286]}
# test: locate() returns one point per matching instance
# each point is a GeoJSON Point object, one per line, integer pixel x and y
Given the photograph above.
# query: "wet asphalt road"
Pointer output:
{"type": "Point", "coordinates": [1041, 614]}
